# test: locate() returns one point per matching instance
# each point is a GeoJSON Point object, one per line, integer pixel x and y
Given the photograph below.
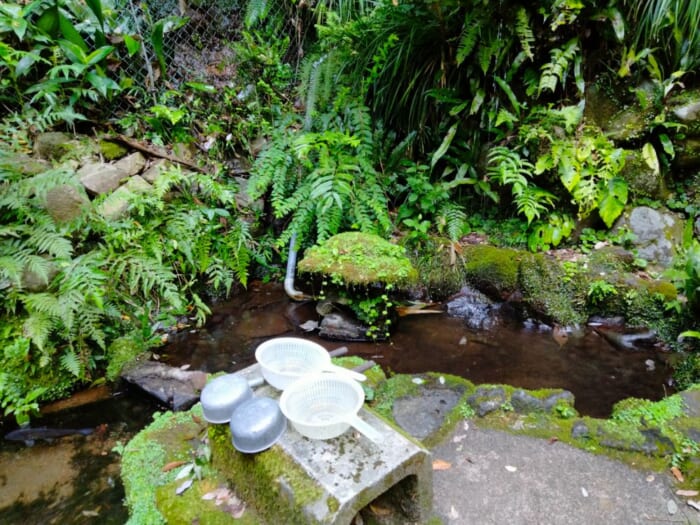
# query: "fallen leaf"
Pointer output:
{"type": "Point", "coordinates": [694, 504]}
{"type": "Point", "coordinates": [553, 440]}
{"type": "Point", "coordinates": [650, 478]}
{"type": "Point", "coordinates": [441, 464]}
{"type": "Point", "coordinates": [182, 488]}
{"type": "Point", "coordinates": [378, 510]}
{"type": "Point", "coordinates": [677, 474]}
{"type": "Point", "coordinates": [459, 438]}
{"type": "Point", "coordinates": [173, 464]}
{"type": "Point", "coordinates": [90, 513]}
{"type": "Point", "coordinates": [511, 468]}
{"type": "Point", "coordinates": [687, 493]}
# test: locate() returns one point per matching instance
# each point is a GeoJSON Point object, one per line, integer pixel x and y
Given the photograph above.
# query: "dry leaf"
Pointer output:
{"type": "Point", "coordinates": [440, 464]}
{"type": "Point", "coordinates": [694, 504]}
{"type": "Point", "coordinates": [173, 464]}
{"type": "Point", "coordinates": [553, 440]}
{"type": "Point", "coordinates": [687, 493]}
{"type": "Point", "coordinates": [677, 474]}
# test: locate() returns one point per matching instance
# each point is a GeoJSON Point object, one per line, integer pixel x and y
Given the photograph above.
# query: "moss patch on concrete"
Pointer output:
{"type": "Point", "coordinates": [354, 258]}
{"type": "Point", "coordinates": [259, 478]}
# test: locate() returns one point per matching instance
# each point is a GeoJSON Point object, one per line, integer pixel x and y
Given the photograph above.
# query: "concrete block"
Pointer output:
{"type": "Point", "coordinates": [345, 473]}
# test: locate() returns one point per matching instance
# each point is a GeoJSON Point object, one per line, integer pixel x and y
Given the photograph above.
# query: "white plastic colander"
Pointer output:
{"type": "Point", "coordinates": [324, 406]}
{"type": "Point", "coordinates": [283, 360]}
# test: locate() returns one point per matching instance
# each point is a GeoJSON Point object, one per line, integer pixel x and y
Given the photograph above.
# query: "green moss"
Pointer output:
{"type": "Point", "coordinates": [549, 292]}
{"type": "Point", "coordinates": [354, 258]}
{"type": "Point", "coordinates": [121, 351]}
{"type": "Point", "coordinates": [111, 150]}
{"type": "Point", "coordinates": [145, 455]}
{"type": "Point", "coordinates": [492, 270]}
{"type": "Point", "coordinates": [258, 478]}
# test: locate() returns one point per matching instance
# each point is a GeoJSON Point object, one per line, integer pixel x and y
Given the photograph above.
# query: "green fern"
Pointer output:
{"type": "Point", "coordinates": [554, 71]}
{"type": "Point", "coordinates": [452, 220]}
{"type": "Point", "coordinates": [524, 32]}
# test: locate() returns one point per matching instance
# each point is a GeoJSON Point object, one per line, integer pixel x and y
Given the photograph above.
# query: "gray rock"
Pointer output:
{"type": "Point", "coordinates": [342, 327]}
{"type": "Point", "coordinates": [656, 233]}
{"type": "Point", "coordinates": [580, 430]}
{"type": "Point", "coordinates": [100, 178]}
{"type": "Point", "coordinates": [117, 204]}
{"type": "Point", "coordinates": [154, 170]}
{"type": "Point", "coordinates": [131, 164]}
{"type": "Point", "coordinates": [477, 310]}
{"type": "Point", "coordinates": [525, 402]}
{"type": "Point", "coordinates": [560, 397]}
{"type": "Point", "coordinates": [66, 202]}
{"type": "Point", "coordinates": [628, 124]}
{"type": "Point", "coordinates": [52, 145]}
{"type": "Point", "coordinates": [485, 400]}
{"type": "Point", "coordinates": [24, 164]}
{"type": "Point", "coordinates": [691, 402]}
{"type": "Point", "coordinates": [176, 388]}
{"type": "Point", "coordinates": [424, 414]}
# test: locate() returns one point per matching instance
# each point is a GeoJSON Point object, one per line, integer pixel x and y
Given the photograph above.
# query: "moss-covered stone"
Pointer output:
{"type": "Point", "coordinates": [642, 180]}
{"type": "Point", "coordinates": [492, 270]}
{"type": "Point", "coordinates": [549, 293]}
{"type": "Point", "coordinates": [111, 150]}
{"type": "Point", "coordinates": [355, 258]}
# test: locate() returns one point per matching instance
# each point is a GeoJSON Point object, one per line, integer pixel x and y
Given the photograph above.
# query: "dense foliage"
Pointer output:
{"type": "Point", "coordinates": [411, 118]}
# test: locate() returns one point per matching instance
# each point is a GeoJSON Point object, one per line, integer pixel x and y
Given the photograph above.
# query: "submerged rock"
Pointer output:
{"type": "Point", "coordinates": [476, 309]}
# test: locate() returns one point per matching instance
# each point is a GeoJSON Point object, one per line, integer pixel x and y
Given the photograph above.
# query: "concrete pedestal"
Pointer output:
{"type": "Point", "coordinates": [352, 471]}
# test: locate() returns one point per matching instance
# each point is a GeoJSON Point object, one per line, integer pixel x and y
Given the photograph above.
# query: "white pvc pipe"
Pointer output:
{"type": "Point", "coordinates": [293, 293]}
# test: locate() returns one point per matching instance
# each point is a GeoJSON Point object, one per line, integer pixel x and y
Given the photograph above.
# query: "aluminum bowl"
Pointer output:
{"type": "Point", "coordinates": [256, 425]}
{"type": "Point", "coordinates": [222, 395]}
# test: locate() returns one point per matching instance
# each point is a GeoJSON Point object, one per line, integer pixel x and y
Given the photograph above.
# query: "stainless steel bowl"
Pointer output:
{"type": "Point", "coordinates": [222, 395]}
{"type": "Point", "coordinates": [256, 425]}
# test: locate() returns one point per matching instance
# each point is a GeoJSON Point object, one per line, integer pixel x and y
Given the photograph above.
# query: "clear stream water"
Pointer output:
{"type": "Point", "coordinates": [76, 479]}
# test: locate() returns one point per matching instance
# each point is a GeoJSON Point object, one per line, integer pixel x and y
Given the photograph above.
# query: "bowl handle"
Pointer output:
{"type": "Point", "coordinates": [344, 372]}
{"type": "Point", "coordinates": [365, 429]}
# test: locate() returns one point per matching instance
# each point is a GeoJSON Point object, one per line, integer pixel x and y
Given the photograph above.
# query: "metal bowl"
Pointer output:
{"type": "Point", "coordinates": [256, 425]}
{"type": "Point", "coordinates": [222, 395]}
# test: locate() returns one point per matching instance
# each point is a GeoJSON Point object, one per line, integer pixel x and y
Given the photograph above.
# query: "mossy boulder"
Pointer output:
{"type": "Point", "coordinates": [642, 179]}
{"type": "Point", "coordinates": [355, 258]}
{"type": "Point", "coordinates": [111, 150]}
{"type": "Point", "coordinates": [549, 293]}
{"type": "Point", "coordinates": [494, 271]}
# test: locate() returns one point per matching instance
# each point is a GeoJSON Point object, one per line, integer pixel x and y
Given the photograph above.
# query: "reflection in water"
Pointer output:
{"type": "Point", "coordinates": [76, 480]}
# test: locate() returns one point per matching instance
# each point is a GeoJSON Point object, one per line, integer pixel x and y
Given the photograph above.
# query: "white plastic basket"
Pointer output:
{"type": "Point", "coordinates": [324, 406]}
{"type": "Point", "coordinates": [284, 360]}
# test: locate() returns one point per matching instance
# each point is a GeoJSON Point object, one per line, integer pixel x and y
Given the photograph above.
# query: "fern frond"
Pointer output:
{"type": "Point", "coordinates": [38, 327]}
{"type": "Point", "coordinates": [471, 29]}
{"type": "Point", "coordinates": [452, 219]}
{"type": "Point", "coordinates": [71, 362]}
{"type": "Point", "coordinates": [524, 32]}
{"type": "Point", "coordinates": [555, 70]}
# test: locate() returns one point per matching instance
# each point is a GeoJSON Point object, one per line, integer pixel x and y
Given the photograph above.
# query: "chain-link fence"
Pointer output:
{"type": "Point", "coordinates": [195, 44]}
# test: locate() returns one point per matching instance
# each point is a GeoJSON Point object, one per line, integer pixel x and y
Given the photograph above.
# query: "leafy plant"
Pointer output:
{"type": "Point", "coordinates": [600, 290]}
{"type": "Point", "coordinates": [324, 182]}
